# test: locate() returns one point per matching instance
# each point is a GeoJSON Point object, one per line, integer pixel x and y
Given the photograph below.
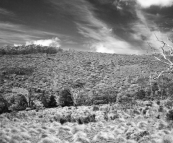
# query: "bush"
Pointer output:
{"type": "Point", "coordinates": [65, 98]}
{"type": "Point", "coordinates": [18, 102]}
{"type": "Point", "coordinates": [95, 108]}
{"type": "Point", "coordinates": [52, 102]}
{"type": "Point", "coordinates": [168, 104]}
{"type": "Point", "coordinates": [140, 94]}
{"type": "Point", "coordinates": [45, 99]}
{"type": "Point", "coordinates": [3, 105]}
{"type": "Point", "coordinates": [169, 115]}
{"type": "Point", "coordinates": [37, 105]}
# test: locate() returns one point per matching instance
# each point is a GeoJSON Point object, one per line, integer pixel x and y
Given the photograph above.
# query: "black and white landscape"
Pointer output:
{"type": "Point", "coordinates": [86, 71]}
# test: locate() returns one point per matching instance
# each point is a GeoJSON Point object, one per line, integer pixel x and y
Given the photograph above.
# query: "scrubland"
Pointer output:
{"type": "Point", "coordinates": [118, 125]}
{"type": "Point", "coordinates": [114, 99]}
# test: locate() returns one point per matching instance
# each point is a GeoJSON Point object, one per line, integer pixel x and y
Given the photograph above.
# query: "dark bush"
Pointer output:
{"type": "Point", "coordinates": [3, 105]}
{"type": "Point", "coordinates": [18, 103]}
{"type": "Point", "coordinates": [140, 94]}
{"type": "Point", "coordinates": [52, 102]}
{"type": "Point", "coordinates": [95, 108]}
{"type": "Point", "coordinates": [63, 121]}
{"type": "Point", "coordinates": [158, 102]}
{"type": "Point", "coordinates": [155, 87]}
{"type": "Point", "coordinates": [65, 98]}
{"type": "Point", "coordinates": [169, 115]}
{"type": "Point", "coordinates": [92, 118]}
{"type": "Point", "coordinates": [80, 121]}
{"type": "Point", "coordinates": [45, 99]}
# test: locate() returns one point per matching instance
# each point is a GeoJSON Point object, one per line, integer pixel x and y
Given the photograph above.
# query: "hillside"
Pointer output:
{"type": "Point", "coordinates": [40, 70]}
{"type": "Point", "coordinates": [85, 73]}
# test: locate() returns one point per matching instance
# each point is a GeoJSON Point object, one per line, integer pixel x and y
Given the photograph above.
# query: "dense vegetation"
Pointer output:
{"type": "Point", "coordinates": [145, 122]}
{"type": "Point", "coordinates": [29, 49]}
{"type": "Point", "coordinates": [124, 105]}
{"type": "Point", "coordinates": [89, 78]}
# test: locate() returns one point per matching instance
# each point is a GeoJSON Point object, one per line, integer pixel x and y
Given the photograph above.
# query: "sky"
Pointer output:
{"type": "Point", "coordinates": [107, 26]}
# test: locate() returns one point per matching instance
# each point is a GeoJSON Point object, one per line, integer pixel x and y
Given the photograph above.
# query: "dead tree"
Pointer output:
{"type": "Point", "coordinates": [166, 60]}
{"type": "Point", "coordinates": [165, 54]}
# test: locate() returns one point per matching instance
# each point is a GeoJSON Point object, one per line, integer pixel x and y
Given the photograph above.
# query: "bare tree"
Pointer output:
{"type": "Point", "coordinates": [165, 54]}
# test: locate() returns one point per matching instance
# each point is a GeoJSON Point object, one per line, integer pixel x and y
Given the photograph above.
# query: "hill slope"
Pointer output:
{"type": "Point", "coordinates": [71, 68]}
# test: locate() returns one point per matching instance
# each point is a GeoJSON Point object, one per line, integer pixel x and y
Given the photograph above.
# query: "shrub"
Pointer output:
{"type": "Point", "coordinates": [169, 115]}
{"type": "Point", "coordinates": [18, 102]}
{"type": "Point", "coordinates": [95, 108]}
{"type": "Point", "coordinates": [52, 102]}
{"type": "Point", "coordinates": [37, 104]}
{"type": "Point", "coordinates": [167, 139]}
{"type": "Point", "coordinates": [82, 98]}
{"type": "Point", "coordinates": [46, 140]}
{"type": "Point", "coordinates": [168, 104]}
{"type": "Point", "coordinates": [65, 98]}
{"type": "Point", "coordinates": [45, 99]}
{"type": "Point", "coordinates": [140, 94]}
{"type": "Point", "coordinates": [63, 121]}
{"type": "Point", "coordinates": [3, 105]}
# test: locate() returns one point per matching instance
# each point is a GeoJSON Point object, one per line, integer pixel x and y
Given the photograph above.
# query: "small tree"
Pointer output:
{"type": "Point", "coordinates": [18, 102]}
{"type": "Point", "coordinates": [3, 105]}
{"type": "Point", "coordinates": [65, 97]}
{"type": "Point", "coordinates": [52, 102]}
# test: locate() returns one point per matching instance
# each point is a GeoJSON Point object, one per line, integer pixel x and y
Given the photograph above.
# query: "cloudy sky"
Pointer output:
{"type": "Point", "coordinates": [110, 26]}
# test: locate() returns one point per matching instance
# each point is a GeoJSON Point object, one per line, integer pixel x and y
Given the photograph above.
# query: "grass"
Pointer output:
{"type": "Point", "coordinates": [29, 129]}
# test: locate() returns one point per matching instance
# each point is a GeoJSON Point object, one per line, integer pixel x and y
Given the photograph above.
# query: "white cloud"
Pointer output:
{"type": "Point", "coordinates": [119, 47]}
{"type": "Point", "coordinates": [16, 45]}
{"type": "Point", "coordinates": [55, 42]}
{"type": "Point", "coordinates": [19, 34]}
{"type": "Point", "coordinates": [104, 41]}
{"type": "Point", "coordinates": [161, 3]}
{"type": "Point", "coordinates": [100, 36]}
{"type": "Point", "coordinates": [149, 29]}
{"type": "Point", "coordinates": [97, 33]}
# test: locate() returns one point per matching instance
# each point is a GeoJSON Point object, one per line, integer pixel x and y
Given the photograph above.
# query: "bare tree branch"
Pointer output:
{"type": "Point", "coordinates": [163, 51]}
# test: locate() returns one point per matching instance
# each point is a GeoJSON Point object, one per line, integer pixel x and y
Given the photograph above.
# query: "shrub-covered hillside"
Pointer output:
{"type": "Point", "coordinates": [70, 78]}
{"type": "Point", "coordinates": [90, 77]}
